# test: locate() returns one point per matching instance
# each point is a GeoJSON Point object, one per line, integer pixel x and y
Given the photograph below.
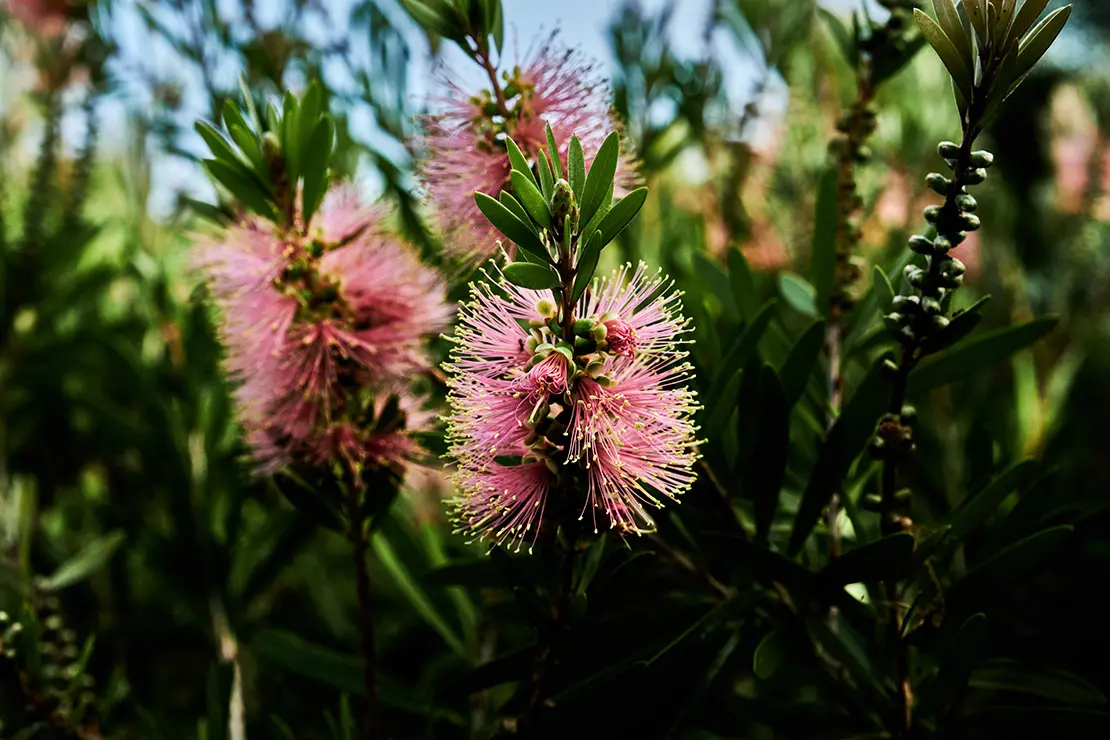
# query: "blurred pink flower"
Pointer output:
{"type": "Point", "coordinates": [464, 144]}
{"type": "Point", "coordinates": [47, 18]}
{"type": "Point", "coordinates": [526, 420]}
{"type": "Point", "coordinates": [319, 331]}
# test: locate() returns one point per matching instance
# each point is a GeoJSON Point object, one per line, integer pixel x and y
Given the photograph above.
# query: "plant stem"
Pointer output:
{"type": "Point", "coordinates": [360, 546]}
{"type": "Point", "coordinates": [857, 127]}
{"type": "Point", "coordinates": [481, 55]}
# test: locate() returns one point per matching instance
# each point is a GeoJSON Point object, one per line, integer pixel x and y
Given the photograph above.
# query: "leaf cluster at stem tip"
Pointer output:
{"type": "Point", "coordinates": [560, 220]}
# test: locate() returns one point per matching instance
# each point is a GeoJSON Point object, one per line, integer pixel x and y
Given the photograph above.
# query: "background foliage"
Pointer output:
{"type": "Point", "coordinates": [161, 592]}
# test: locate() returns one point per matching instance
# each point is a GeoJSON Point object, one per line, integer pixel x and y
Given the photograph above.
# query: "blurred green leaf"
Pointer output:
{"type": "Point", "coordinates": [90, 559]}
{"type": "Point", "coordinates": [1009, 675]}
{"type": "Point", "coordinates": [766, 476]}
{"type": "Point", "coordinates": [961, 325]}
{"type": "Point", "coordinates": [977, 508]}
{"type": "Point", "coordinates": [845, 441]}
{"type": "Point", "coordinates": [982, 352]}
{"type": "Point", "coordinates": [304, 658]}
{"type": "Point", "coordinates": [743, 349]}
{"type": "Point", "coordinates": [769, 654]}
{"type": "Point", "coordinates": [743, 284]}
{"type": "Point", "coordinates": [798, 293]}
{"type": "Point", "coordinates": [801, 362]}
{"type": "Point", "coordinates": [1012, 563]}
{"type": "Point", "coordinates": [316, 171]}
{"type": "Point", "coordinates": [884, 291]}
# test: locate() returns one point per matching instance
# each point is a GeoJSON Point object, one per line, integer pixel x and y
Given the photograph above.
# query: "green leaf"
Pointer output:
{"type": "Point", "coordinates": [961, 325]}
{"type": "Point", "coordinates": [841, 35]}
{"type": "Point", "coordinates": [498, 25]}
{"type": "Point", "coordinates": [946, 50]}
{"type": "Point", "coordinates": [249, 146]}
{"type": "Point", "coordinates": [948, 18]}
{"type": "Point", "coordinates": [978, 507]}
{"type": "Point", "coordinates": [233, 117]}
{"type": "Point", "coordinates": [1027, 16]}
{"type": "Point", "coordinates": [532, 199]}
{"type": "Point", "coordinates": [520, 162]}
{"type": "Point", "coordinates": [512, 227]}
{"type": "Point", "coordinates": [823, 267]}
{"type": "Point", "coordinates": [1011, 564]}
{"type": "Point", "coordinates": [387, 556]}
{"type": "Point", "coordinates": [798, 293]}
{"type": "Point", "coordinates": [889, 558]}
{"type": "Point", "coordinates": [1040, 39]}
{"type": "Point", "coordinates": [587, 264]}
{"type": "Point", "coordinates": [743, 284]}
{"type": "Point", "coordinates": [769, 654]}
{"type": "Point", "coordinates": [285, 649]}
{"type": "Point", "coordinates": [1010, 675]}
{"type": "Point", "coordinates": [770, 453]}
{"type": "Point", "coordinates": [602, 211]}
{"type": "Point", "coordinates": [547, 180]}
{"type": "Point", "coordinates": [87, 561]}
{"type": "Point", "coordinates": [744, 348]}
{"type": "Point", "coordinates": [800, 363]}
{"type": "Point", "coordinates": [218, 145]}
{"type": "Point", "coordinates": [884, 291]}
{"type": "Point", "coordinates": [972, 356]}
{"type": "Point", "coordinates": [291, 136]}
{"type": "Point", "coordinates": [977, 14]}
{"type": "Point", "coordinates": [533, 276]}
{"type": "Point", "coordinates": [243, 187]}
{"type": "Point", "coordinates": [308, 118]}
{"type": "Point", "coordinates": [552, 148]}
{"type": "Point", "coordinates": [506, 198]}
{"type": "Point", "coordinates": [848, 436]}
{"type": "Point", "coordinates": [576, 168]}
{"type": "Point", "coordinates": [317, 173]}
{"type": "Point", "coordinates": [428, 18]}
{"type": "Point", "coordinates": [621, 214]}
{"type": "Point", "coordinates": [248, 101]}
{"type": "Point", "coordinates": [600, 177]}
{"type": "Point", "coordinates": [959, 654]}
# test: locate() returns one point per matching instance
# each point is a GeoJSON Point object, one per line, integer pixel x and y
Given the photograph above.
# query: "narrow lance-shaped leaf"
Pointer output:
{"type": "Point", "coordinates": [800, 363]}
{"type": "Point", "coordinates": [506, 198]}
{"type": "Point", "coordinates": [972, 356]}
{"type": "Point", "coordinates": [742, 279]}
{"type": "Point", "coordinates": [1040, 39]}
{"type": "Point", "coordinates": [953, 61]}
{"type": "Point", "coordinates": [600, 177]}
{"type": "Point", "coordinates": [621, 214]}
{"type": "Point", "coordinates": [884, 291]}
{"type": "Point", "coordinates": [765, 476]}
{"type": "Point", "coordinates": [533, 276]}
{"type": "Point", "coordinates": [218, 145]}
{"type": "Point", "coordinates": [291, 136]}
{"type": "Point", "coordinates": [317, 173]}
{"type": "Point", "coordinates": [552, 150]}
{"type": "Point", "coordinates": [242, 186]}
{"type": "Point", "coordinates": [587, 264]}
{"type": "Point", "coordinates": [948, 18]}
{"type": "Point", "coordinates": [532, 199]}
{"type": "Point", "coordinates": [576, 167]}
{"type": "Point", "coordinates": [1030, 11]}
{"type": "Point", "coordinates": [547, 180]}
{"type": "Point", "coordinates": [86, 562]}
{"type": "Point", "coordinates": [519, 162]}
{"type": "Point", "coordinates": [512, 227]}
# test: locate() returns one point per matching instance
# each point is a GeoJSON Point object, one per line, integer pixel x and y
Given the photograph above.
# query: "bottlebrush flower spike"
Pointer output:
{"type": "Point", "coordinates": [464, 145]}
{"type": "Point", "coordinates": [533, 420]}
{"type": "Point", "coordinates": [320, 330]}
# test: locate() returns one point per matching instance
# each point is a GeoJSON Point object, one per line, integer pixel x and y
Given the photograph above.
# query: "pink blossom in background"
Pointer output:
{"type": "Point", "coordinates": [47, 18]}
{"type": "Point", "coordinates": [612, 429]}
{"type": "Point", "coordinates": [464, 149]}
{"type": "Point", "coordinates": [311, 325]}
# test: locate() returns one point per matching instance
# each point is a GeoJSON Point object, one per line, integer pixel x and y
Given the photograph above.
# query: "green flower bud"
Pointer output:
{"type": "Point", "coordinates": [938, 183]}
{"type": "Point", "coordinates": [966, 203]}
{"type": "Point", "coordinates": [942, 244]}
{"type": "Point", "coordinates": [982, 159]}
{"type": "Point", "coordinates": [563, 203]}
{"type": "Point", "coordinates": [969, 222]}
{"type": "Point", "coordinates": [932, 214]}
{"type": "Point", "coordinates": [948, 150]}
{"type": "Point", "coordinates": [583, 327]}
{"type": "Point", "coordinates": [600, 332]}
{"type": "Point", "coordinates": [921, 244]}
{"type": "Point", "coordinates": [976, 176]}
{"type": "Point", "coordinates": [940, 322]}
{"type": "Point", "coordinates": [931, 306]}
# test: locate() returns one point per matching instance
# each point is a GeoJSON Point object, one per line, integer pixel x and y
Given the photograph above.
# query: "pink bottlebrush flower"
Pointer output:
{"type": "Point", "coordinates": [524, 417]}
{"type": "Point", "coordinates": [310, 323]}
{"type": "Point", "coordinates": [48, 18]}
{"type": "Point", "coordinates": [464, 145]}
